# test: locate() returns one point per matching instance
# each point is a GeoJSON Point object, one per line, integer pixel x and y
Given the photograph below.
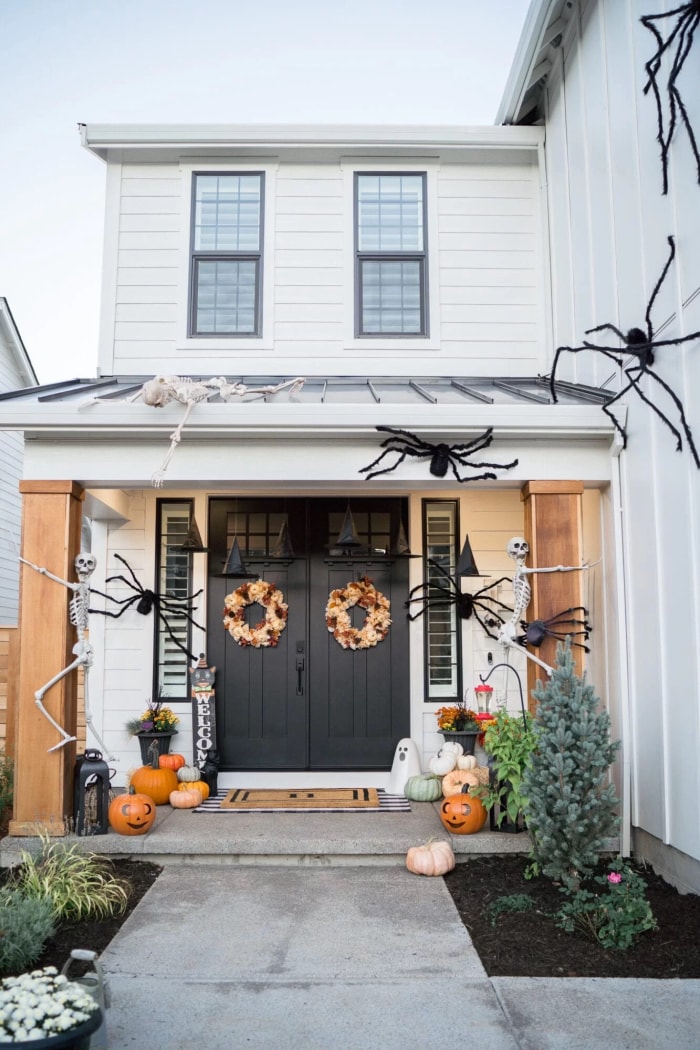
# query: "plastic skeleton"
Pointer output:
{"type": "Point", "coordinates": [79, 614]}
{"type": "Point", "coordinates": [511, 632]}
{"type": "Point", "coordinates": [161, 390]}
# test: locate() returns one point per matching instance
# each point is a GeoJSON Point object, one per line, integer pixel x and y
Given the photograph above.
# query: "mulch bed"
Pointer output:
{"type": "Point", "coordinates": [96, 934]}
{"type": "Point", "coordinates": [529, 944]}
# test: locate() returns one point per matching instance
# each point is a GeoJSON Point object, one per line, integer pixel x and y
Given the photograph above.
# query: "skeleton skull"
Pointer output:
{"type": "Point", "coordinates": [85, 565]}
{"type": "Point", "coordinates": [518, 548]}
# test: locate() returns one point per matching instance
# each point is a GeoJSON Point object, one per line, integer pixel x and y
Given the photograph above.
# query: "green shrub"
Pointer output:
{"type": "Point", "coordinates": [78, 885]}
{"type": "Point", "coordinates": [614, 917]}
{"type": "Point", "coordinates": [571, 807]}
{"type": "Point", "coordinates": [510, 904]}
{"type": "Point", "coordinates": [26, 924]}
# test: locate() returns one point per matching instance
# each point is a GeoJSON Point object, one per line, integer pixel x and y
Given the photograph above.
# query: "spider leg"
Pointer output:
{"type": "Point", "coordinates": [407, 438]}
{"type": "Point", "coordinates": [560, 350]}
{"type": "Point", "coordinates": [173, 637]}
{"type": "Point", "coordinates": [605, 328]}
{"type": "Point", "coordinates": [124, 602]}
{"type": "Point", "coordinates": [128, 583]}
{"type": "Point", "coordinates": [681, 412]}
{"type": "Point", "coordinates": [676, 342]}
{"type": "Point", "coordinates": [684, 48]}
{"type": "Point", "coordinates": [479, 442]}
{"type": "Point", "coordinates": [431, 603]}
{"type": "Point", "coordinates": [131, 571]}
{"type": "Point", "coordinates": [484, 625]}
{"type": "Point", "coordinates": [387, 470]}
{"type": "Point", "coordinates": [182, 613]}
{"type": "Point", "coordinates": [657, 286]}
{"type": "Point", "coordinates": [611, 415]}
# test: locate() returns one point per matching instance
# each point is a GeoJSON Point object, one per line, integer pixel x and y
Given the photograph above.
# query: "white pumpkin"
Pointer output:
{"type": "Point", "coordinates": [453, 746]}
{"type": "Point", "coordinates": [442, 763]}
{"type": "Point", "coordinates": [466, 762]}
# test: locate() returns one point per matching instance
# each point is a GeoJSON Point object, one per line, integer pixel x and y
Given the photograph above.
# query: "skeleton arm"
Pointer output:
{"type": "Point", "coordinates": [50, 575]}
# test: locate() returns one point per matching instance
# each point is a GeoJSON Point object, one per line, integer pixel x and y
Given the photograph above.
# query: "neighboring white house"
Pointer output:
{"type": "Point", "coordinates": [16, 371]}
{"type": "Point", "coordinates": [421, 279]}
{"type": "Point", "coordinates": [580, 76]}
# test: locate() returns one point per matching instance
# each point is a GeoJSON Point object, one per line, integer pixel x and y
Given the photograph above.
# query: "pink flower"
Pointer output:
{"type": "Point", "coordinates": [614, 877]}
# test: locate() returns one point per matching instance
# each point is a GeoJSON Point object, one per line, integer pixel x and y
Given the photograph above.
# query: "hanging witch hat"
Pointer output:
{"type": "Point", "coordinates": [466, 565]}
{"type": "Point", "coordinates": [193, 540]}
{"type": "Point", "coordinates": [283, 547]}
{"type": "Point", "coordinates": [233, 566]}
{"type": "Point", "coordinates": [347, 537]}
{"type": "Point", "coordinates": [400, 547]}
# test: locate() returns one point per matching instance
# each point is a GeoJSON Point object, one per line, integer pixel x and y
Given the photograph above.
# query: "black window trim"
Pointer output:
{"type": "Point", "coordinates": [427, 698]}
{"type": "Point", "coordinates": [228, 256]}
{"type": "Point", "coordinates": [375, 256]}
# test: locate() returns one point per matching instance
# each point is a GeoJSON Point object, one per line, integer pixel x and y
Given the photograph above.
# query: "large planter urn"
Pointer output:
{"type": "Point", "coordinates": [162, 741]}
{"type": "Point", "coordinates": [466, 737]}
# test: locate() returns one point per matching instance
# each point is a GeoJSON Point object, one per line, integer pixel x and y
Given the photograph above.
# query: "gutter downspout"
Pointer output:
{"type": "Point", "coordinates": [623, 654]}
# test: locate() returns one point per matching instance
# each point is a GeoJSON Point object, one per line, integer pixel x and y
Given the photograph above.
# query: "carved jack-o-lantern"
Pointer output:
{"type": "Point", "coordinates": [132, 814]}
{"type": "Point", "coordinates": [463, 814]}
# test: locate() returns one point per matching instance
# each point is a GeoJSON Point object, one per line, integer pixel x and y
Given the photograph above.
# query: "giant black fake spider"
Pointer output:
{"type": "Point", "coordinates": [535, 631]}
{"type": "Point", "coordinates": [444, 591]}
{"type": "Point", "coordinates": [642, 346]}
{"type": "Point", "coordinates": [164, 605]}
{"type": "Point", "coordinates": [678, 44]}
{"type": "Point", "coordinates": [441, 456]}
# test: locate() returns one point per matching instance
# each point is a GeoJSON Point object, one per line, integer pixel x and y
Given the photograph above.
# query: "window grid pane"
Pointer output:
{"type": "Point", "coordinates": [391, 297]}
{"type": "Point", "coordinates": [227, 243]}
{"type": "Point", "coordinates": [390, 213]}
{"type": "Point", "coordinates": [173, 581]}
{"type": "Point", "coordinates": [441, 623]}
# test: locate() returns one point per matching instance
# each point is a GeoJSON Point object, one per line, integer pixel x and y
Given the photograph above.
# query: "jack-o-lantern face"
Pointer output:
{"type": "Point", "coordinates": [462, 814]}
{"type": "Point", "coordinates": [132, 814]}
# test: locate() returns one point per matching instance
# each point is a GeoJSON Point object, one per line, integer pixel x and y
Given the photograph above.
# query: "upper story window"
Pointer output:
{"type": "Point", "coordinates": [226, 254]}
{"type": "Point", "coordinates": [390, 238]}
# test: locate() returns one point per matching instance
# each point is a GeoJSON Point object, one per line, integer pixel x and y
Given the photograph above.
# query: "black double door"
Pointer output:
{"type": "Point", "coordinates": [308, 703]}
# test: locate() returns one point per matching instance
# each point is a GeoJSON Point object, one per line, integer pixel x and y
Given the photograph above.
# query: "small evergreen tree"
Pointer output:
{"type": "Point", "coordinates": [571, 808]}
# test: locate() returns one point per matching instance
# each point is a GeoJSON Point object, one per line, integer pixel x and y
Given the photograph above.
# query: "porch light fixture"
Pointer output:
{"type": "Point", "coordinates": [466, 565]}
{"type": "Point", "coordinates": [193, 541]}
{"type": "Point", "coordinates": [233, 566]}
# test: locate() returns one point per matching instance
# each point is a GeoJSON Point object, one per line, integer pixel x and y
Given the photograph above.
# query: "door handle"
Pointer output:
{"type": "Point", "coordinates": [300, 675]}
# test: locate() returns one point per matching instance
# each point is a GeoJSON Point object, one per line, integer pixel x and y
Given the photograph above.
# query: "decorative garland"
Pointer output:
{"type": "Point", "coordinates": [377, 622]}
{"type": "Point", "coordinates": [267, 632]}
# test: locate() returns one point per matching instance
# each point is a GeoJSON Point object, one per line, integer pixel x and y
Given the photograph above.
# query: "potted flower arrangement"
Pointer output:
{"type": "Point", "coordinates": [458, 722]}
{"type": "Point", "coordinates": [157, 723]}
{"type": "Point", "coordinates": [43, 1009]}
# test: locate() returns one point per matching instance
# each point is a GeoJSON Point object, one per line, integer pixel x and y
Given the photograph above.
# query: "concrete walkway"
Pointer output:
{"type": "Point", "coordinates": [226, 956]}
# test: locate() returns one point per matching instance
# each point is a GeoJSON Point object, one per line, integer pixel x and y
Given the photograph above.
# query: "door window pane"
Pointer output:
{"type": "Point", "coordinates": [442, 642]}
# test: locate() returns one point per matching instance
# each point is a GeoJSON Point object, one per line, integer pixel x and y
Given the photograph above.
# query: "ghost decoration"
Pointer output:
{"type": "Point", "coordinates": [406, 764]}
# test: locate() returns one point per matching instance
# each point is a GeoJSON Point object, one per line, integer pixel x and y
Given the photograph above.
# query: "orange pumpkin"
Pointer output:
{"type": "Point", "coordinates": [463, 814]}
{"type": "Point", "coordinates": [155, 782]}
{"type": "Point", "coordinates": [185, 798]}
{"type": "Point", "coordinates": [132, 814]}
{"type": "Point", "coordinates": [200, 785]}
{"type": "Point", "coordinates": [171, 762]}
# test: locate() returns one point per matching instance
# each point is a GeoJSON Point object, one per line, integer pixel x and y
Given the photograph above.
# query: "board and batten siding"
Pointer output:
{"type": "Point", "coordinates": [609, 225]}
{"type": "Point", "coordinates": [487, 282]}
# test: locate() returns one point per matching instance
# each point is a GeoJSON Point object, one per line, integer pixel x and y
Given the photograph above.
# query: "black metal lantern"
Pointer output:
{"type": "Point", "coordinates": [91, 771]}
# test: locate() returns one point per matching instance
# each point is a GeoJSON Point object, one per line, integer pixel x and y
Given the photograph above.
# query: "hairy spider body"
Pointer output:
{"type": "Point", "coordinates": [442, 457]}
{"type": "Point", "coordinates": [485, 608]}
{"type": "Point", "coordinates": [166, 606]}
{"type": "Point", "coordinates": [677, 45]}
{"type": "Point", "coordinates": [641, 345]}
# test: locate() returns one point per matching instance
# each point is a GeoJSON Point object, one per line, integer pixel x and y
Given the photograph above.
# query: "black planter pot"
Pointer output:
{"type": "Point", "coordinates": [75, 1039]}
{"type": "Point", "coordinates": [161, 739]}
{"type": "Point", "coordinates": [467, 738]}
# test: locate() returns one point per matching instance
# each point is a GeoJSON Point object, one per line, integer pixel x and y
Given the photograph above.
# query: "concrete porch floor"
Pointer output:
{"type": "Point", "coordinates": [294, 839]}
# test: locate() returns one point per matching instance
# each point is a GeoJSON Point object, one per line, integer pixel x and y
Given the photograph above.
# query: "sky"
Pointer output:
{"type": "Point", "coordinates": [67, 62]}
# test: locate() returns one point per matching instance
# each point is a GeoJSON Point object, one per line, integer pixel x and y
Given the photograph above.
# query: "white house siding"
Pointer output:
{"type": "Point", "coordinates": [486, 273]}
{"type": "Point", "coordinates": [11, 453]}
{"type": "Point", "coordinates": [609, 224]}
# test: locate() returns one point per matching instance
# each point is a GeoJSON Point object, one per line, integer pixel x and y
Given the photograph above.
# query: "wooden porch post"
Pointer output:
{"type": "Point", "coordinates": [553, 515]}
{"type": "Point", "coordinates": [51, 523]}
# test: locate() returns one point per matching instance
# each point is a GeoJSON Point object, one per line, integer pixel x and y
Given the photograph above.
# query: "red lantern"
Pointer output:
{"type": "Point", "coordinates": [463, 814]}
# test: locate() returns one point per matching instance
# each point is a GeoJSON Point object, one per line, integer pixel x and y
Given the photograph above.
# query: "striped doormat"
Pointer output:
{"type": "Point", "coordinates": [385, 803]}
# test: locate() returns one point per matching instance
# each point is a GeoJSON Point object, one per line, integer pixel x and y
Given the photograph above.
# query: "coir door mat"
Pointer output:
{"type": "Point", "coordinates": [381, 802]}
{"type": "Point", "coordinates": [301, 798]}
